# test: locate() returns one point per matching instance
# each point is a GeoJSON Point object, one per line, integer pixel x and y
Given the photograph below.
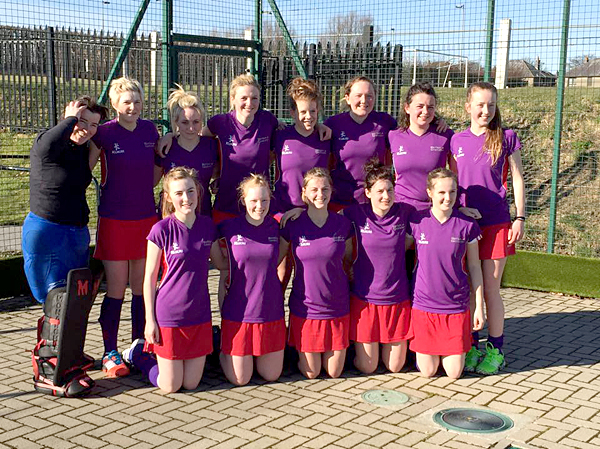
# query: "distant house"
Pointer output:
{"type": "Point", "coordinates": [585, 75]}
{"type": "Point", "coordinates": [522, 73]}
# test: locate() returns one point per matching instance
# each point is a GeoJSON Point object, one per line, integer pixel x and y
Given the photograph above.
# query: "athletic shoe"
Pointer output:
{"type": "Point", "coordinates": [472, 359]}
{"type": "Point", "coordinates": [113, 366]}
{"type": "Point", "coordinates": [134, 350]}
{"type": "Point", "coordinates": [493, 360]}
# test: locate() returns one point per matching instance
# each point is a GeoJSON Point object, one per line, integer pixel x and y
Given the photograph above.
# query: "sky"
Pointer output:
{"type": "Point", "coordinates": [451, 27]}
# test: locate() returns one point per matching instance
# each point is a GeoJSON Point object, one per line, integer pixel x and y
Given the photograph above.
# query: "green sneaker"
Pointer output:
{"type": "Point", "coordinates": [472, 359]}
{"type": "Point", "coordinates": [493, 361]}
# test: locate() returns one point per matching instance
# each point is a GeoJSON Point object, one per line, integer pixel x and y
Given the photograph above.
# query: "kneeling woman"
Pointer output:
{"type": "Point", "coordinates": [253, 326]}
{"type": "Point", "coordinates": [380, 298]}
{"type": "Point", "coordinates": [319, 303]}
{"type": "Point", "coordinates": [178, 319]}
{"type": "Point", "coordinates": [440, 317]}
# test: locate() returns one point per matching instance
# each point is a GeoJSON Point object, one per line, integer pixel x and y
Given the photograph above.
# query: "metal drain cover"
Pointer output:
{"type": "Point", "coordinates": [472, 420]}
{"type": "Point", "coordinates": [385, 397]}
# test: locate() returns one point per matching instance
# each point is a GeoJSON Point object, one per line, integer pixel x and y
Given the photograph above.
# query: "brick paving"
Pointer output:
{"type": "Point", "coordinates": [550, 388]}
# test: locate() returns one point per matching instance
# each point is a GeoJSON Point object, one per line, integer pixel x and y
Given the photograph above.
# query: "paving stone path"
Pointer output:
{"type": "Point", "coordinates": [550, 388]}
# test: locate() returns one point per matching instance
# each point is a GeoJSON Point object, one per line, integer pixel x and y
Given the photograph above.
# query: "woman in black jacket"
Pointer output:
{"type": "Point", "coordinates": [55, 234]}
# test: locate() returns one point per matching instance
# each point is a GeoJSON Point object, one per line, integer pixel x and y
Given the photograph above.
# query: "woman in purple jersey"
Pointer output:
{"type": "Point", "coordinates": [319, 303]}
{"type": "Point", "coordinates": [379, 293]}
{"type": "Point", "coordinates": [178, 319]}
{"type": "Point", "coordinates": [189, 148]}
{"type": "Point", "coordinates": [417, 147]}
{"type": "Point", "coordinates": [126, 212]}
{"type": "Point", "coordinates": [297, 149]}
{"type": "Point", "coordinates": [484, 154]}
{"type": "Point", "coordinates": [253, 325]}
{"type": "Point", "coordinates": [358, 134]}
{"type": "Point", "coordinates": [446, 243]}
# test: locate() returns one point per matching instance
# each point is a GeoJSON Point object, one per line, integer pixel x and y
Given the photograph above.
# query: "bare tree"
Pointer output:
{"type": "Point", "coordinates": [579, 60]}
{"type": "Point", "coordinates": [346, 28]}
{"type": "Point", "coordinates": [273, 35]}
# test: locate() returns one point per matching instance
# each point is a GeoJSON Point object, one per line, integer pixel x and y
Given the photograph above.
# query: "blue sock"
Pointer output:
{"type": "Point", "coordinates": [110, 316]}
{"type": "Point", "coordinates": [475, 339]}
{"type": "Point", "coordinates": [498, 342]}
{"type": "Point", "coordinates": [138, 317]}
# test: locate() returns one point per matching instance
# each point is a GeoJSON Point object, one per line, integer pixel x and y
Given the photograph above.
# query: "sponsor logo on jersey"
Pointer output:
{"type": "Point", "coordinates": [422, 239]}
{"type": "Point", "coordinates": [176, 249]}
{"type": "Point", "coordinates": [207, 164]}
{"type": "Point", "coordinates": [239, 240]}
{"type": "Point", "coordinates": [262, 139]}
{"type": "Point", "coordinates": [339, 238]}
{"type": "Point", "coordinates": [117, 149]}
{"type": "Point", "coordinates": [231, 141]}
{"type": "Point", "coordinates": [398, 227]}
{"type": "Point", "coordinates": [317, 151]}
{"type": "Point", "coordinates": [149, 144]}
{"type": "Point", "coordinates": [460, 152]}
{"type": "Point", "coordinates": [273, 239]}
{"type": "Point", "coordinates": [206, 243]}
{"type": "Point", "coordinates": [302, 241]}
{"type": "Point", "coordinates": [436, 148]}
{"type": "Point", "coordinates": [401, 151]}
{"type": "Point", "coordinates": [365, 229]}
{"type": "Point", "coordinates": [377, 134]}
{"type": "Point", "coordinates": [173, 165]}
{"type": "Point", "coordinates": [286, 150]}
{"type": "Point", "coordinates": [457, 240]}
{"type": "Point", "coordinates": [343, 136]}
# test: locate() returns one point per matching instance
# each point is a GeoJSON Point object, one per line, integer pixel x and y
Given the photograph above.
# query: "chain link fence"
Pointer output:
{"type": "Point", "coordinates": [530, 48]}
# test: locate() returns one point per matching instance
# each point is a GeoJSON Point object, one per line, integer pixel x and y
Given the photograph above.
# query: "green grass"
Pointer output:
{"type": "Point", "coordinates": [553, 273]}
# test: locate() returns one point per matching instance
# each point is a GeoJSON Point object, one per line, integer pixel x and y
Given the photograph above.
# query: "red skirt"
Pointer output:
{"type": "Point", "coordinates": [219, 216]}
{"type": "Point", "coordinates": [254, 339]}
{"type": "Point", "coordinates": [494, 242]}
{"type": "Point", "coordinates": [319, 335]}
{"type": "Point", "coordinates": [183, 343]}
{"type": "Point", "coordinates": [372, 323]}
{"type": "Point", "coordinates": [122, 239]}
{"type": "Point", "coordinates": [439, 333]}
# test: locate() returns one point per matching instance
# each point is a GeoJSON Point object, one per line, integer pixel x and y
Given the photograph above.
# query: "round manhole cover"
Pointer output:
{"type": "Point", "coordinates": [385, 397]}
{"type": "Point", "coordinates": [472, 420]}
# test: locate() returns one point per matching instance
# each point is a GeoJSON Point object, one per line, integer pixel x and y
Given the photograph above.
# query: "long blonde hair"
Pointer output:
{"type": "Point", "coordinates": [178, 101]}
{"type": "Point", "coordinates": [240, 81]}
{"type": "Point", "coordinates": [494, 135]}
{"type": "Point", "coordinates": [316, 172]}
{"type": "Point", "coordinates": [253, 180]}
{"type": "Point", "coordinates": [175, 174]}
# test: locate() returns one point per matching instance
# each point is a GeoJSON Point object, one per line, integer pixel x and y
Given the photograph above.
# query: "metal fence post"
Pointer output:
{"type": "Point", "coordinates": [166, 44]}
{"type": "Point", "coordinates": [51, 74]}
{"type": "Point", "coordinates": [560, 93]}
{"type": "Point", "coordinates": [257, 69]}
{"type": "Point", "coordinates": [489, 41]}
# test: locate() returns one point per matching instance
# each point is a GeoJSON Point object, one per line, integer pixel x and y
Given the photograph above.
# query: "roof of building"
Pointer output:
{"type": "Point", "coordinates": [590, 68]}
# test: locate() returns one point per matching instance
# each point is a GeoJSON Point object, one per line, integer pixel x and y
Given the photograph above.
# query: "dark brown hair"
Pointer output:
{"type": "Point", "coordinates": [415, 89]}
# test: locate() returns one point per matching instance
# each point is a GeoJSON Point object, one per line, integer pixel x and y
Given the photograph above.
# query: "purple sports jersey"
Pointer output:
{"type": "Point", "coordinates": [414, 157]}
{"type": "Point", "coordinates": [127, 157]}
{"type": "Point", "coordinates": [320, 287]}
{"type": "Point", "coordinates": [353, 144]}
{"type": "Point", "coordinates": [202, 158]}
{"type": "Point", "coordinates": [480, 185]}
{"type": "Point", "coordinates": [295, 155]}
{"type": "Point", "coordinates": [380, 268]}
{"type": "Point", "coordinates": [243, 151]}
{"type": "Point", "coordinates": [441, 281]}
{"type": "Point", "coordinates": [182, 298]}
{"type": "Point", "coordinates": [254, 294]}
